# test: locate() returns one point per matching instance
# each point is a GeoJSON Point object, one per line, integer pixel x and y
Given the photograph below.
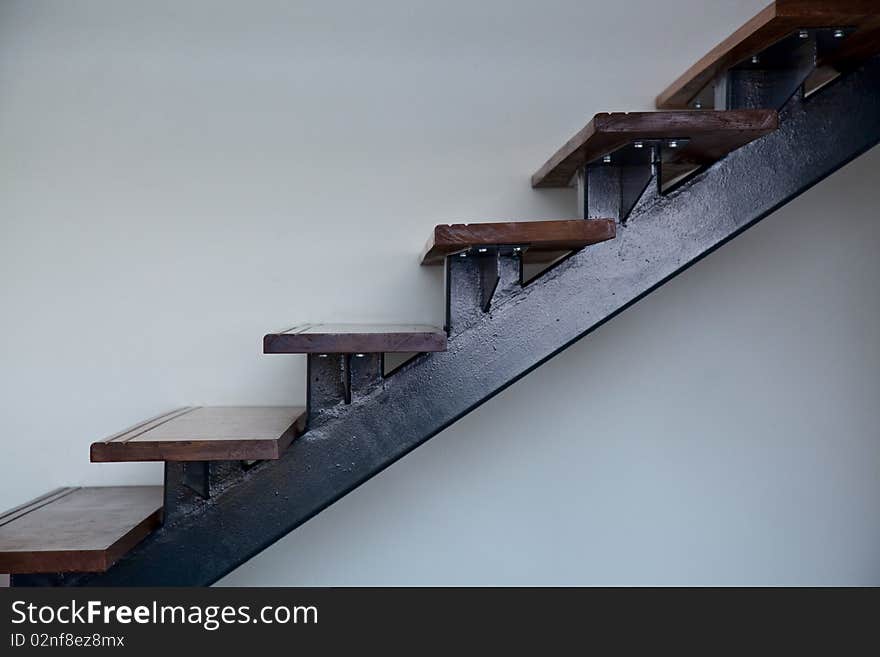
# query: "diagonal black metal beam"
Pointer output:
{"type": "Point", "coordinates": [663, 236]}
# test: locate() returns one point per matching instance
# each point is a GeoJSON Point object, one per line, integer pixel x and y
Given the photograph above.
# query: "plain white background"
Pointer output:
{"type": "Point", "coordinates": [177, 178]}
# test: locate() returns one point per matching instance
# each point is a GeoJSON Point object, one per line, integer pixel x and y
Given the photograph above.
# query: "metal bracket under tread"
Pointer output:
{"type": "Point", "coordinates": [477, 278]}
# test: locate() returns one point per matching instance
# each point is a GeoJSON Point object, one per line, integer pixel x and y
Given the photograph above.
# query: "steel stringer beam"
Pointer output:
{"type": "Point", "coordinates": [663, 236]}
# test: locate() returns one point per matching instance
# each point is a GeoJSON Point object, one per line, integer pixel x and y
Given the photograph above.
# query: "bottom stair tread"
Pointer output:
{"type": "Point", "coordinates": [77, 529]}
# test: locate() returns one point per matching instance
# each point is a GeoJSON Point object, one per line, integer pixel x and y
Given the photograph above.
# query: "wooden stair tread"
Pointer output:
{"type": "Point", "coordinates": [710, 136]}
{"type": "Point", "coordinates": [77, 529]}
{"type": "Point", "coordinates": [776, 22]}
{"type": "Point", "coordinates": [218, 433]}
{"type": "Point", "coordinates": [355, 338]}
{"type": "Point", "coordinates": [552, 236]}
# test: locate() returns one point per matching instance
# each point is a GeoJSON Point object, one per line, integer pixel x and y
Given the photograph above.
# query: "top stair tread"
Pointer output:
{"type": "Point", "coordinates": [225, 433]}
{"type": "Point", "coordinates": [777, 21]}
{"type": "Point", "coordinates": [711, 135]}
{"type": "Point", "coordinates": [535, 236]}
{"type": "Point", "coordinates": [355, 338]}
{"type": "Point", "coordinates": [77, 529]}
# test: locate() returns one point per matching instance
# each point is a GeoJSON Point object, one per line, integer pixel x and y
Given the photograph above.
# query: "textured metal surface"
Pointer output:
{"type": "Point", "coordinates": [365, 373]}
{"type": "Point", "coordinates": [475, 280]}
{"type": "Point", "coordinates": [189, 483]}
{"type": "Point", "coordinates": [327, 383]}
{"type": "Point", "coordinates": [612, 186]}
{"type": "Point", "coordinates": [489, 351]}
{"type": "Point", "coordinates": [335, 379]}
{"type": "Point", "coordinates": [771, 78]}
{"type": "Point", "coordinates": [489, 278]}
{"type": "Point", "coordinates": [612, 190]}
{"type": "Point", "coordinates": [195, 475]}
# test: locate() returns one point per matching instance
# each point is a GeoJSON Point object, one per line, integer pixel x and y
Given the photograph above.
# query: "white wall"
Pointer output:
{"type": "Point", "coordinates": [178, 177]}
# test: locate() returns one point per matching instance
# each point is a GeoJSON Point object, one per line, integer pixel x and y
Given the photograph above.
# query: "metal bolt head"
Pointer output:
{"type": "Point", "coordinates": [698, 105]}
{"type": "Point", "coordinates": [839, 34]}
{"type": "Point", "coordinates": [517, 249]}
{"type": "Point", "coordinates": [358, 355]}
{"type": "Point", "coordinates": [673, 144]}
{"type": "Point", "coordinates": [607, 159]}
{"type": "Point", "coordinates": [322, 355]}
{"type": "Point", "coordinates": [463, 254]}
{"type": "Point", "coordinates": [639, 144]}
{"type": "Point", "coordinates": [755, 59]}
{"type": "Point", "coordinates": [804, 34]}
{"type": "Point", "coordinates": [482, 250]}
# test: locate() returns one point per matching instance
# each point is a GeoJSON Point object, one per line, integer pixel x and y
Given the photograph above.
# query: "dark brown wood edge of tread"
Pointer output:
{"type": "Point", "coordinates": [777, 21]}
{"type": "Point", "coordinates": [135, 445]}
{"type": "Point", "coordinates": [710, 136]}
{"type": "Point", "coordinates": [67, 555]}
{"type": "Point", "coordinates": [365, 339]}
{"type": "Point", "coordinates": [557, 235]}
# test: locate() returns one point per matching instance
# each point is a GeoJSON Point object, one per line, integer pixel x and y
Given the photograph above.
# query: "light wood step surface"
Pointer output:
{"type": "Point", "coordinates": [705, 136]}
{"type": "Point", "coordinates": [533, 236]}
{"type": "Point", "coordinates": [355, 339]}
{"type": "Point", "coordinates": [778, 21]}
{"type": "Point", "coordinates": [77, 529]}
{"type": "Point", "coordinates": [213, 433]}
